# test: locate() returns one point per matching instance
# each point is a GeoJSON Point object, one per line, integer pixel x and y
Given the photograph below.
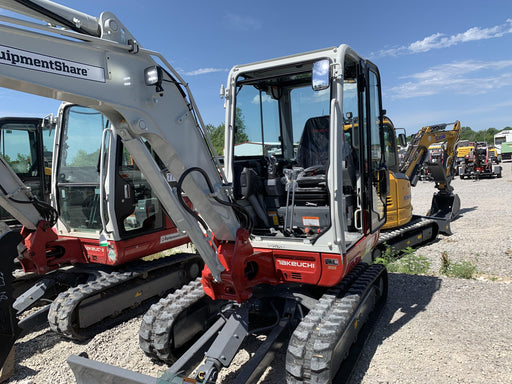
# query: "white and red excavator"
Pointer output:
{"type": "Point", "coordinates": [282, 227]}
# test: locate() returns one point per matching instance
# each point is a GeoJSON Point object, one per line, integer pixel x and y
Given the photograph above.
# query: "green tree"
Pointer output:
{"type": "Point", "coordinates": [84, 159]}
{"type": "Point", "coordinates": [485, 135]}
{"type": "Point", "coordinates": [216, 137]}
{"type": "Point", "coordinates": [217, 133]}
{"type": "Point", "coordinates": [24, 162]}
{"type": "Point", "coordinates": [21, 164]}
{"type": "Point", "coordinates": [489, 135]}
{"type": "Point", "coordinates": [466, 133]}
{"type": "Point", "coordinates": [240, 134]}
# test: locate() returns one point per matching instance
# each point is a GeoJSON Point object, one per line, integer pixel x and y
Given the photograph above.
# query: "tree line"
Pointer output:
{"type": "Point", "coordinates": [466, 133]}
{"type": "Point", "coordinates": [217, 133]}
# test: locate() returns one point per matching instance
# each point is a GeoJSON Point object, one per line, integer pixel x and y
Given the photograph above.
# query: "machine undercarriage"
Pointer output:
{"type": "Point", "coordinates": [323, 326]}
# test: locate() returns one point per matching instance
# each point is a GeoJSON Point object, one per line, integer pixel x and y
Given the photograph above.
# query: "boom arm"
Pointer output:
{"type": "Point", "coordinates": [417, 152]}
{"type": "Point", "coordinates": [107, 73]}
{"type": "Point", "coordinates": [17, 199]}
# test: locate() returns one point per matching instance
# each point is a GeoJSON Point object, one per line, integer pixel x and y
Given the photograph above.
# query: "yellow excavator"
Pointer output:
{"type": "Point", "coordinates": [404, 229]}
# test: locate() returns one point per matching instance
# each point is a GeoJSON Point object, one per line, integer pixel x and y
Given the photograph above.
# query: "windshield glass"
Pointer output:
{"type": "Point", "coordinates": [81, 138]}
{"type": "Point", "coordinates": [271, 114]}
{"type": "Point", "coordinates": [499, 140]}
{"type": "Point", "coordinates": [18, 143]}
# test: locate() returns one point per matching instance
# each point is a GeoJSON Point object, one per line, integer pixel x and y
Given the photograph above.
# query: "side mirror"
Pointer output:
{"type": "Point", "coordinates": [321, 75]}
{"type": "Point", "coordinates": [402, 140]}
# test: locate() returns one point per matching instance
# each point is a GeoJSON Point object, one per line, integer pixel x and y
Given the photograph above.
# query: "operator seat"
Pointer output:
{"type": "Point", "coordinates": [313, 155]}
{"type": "Point", "coordinates": [313, 147]}
{"type": "Point", "coordinates": [313, 158]}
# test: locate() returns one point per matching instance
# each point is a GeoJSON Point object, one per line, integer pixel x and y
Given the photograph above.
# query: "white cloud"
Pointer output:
{"type": "Point", "coordinates": [465, 77]}
{"type": "Point", "coordinates": [264, 99]}
{"type": "Point", "coordinates": [202, 71]}
{"type": "Point", "coordinates": [440, 40]}
{"type": "Point", "coordinates": [242, 23]}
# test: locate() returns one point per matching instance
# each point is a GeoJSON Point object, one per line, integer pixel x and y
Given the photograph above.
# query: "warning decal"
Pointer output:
{"type": "Point", "coordinates": [310, 221]}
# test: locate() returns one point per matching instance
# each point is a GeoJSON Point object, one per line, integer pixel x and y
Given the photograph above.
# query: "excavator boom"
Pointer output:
{"type": "Point", "coordinates": [16, 198]}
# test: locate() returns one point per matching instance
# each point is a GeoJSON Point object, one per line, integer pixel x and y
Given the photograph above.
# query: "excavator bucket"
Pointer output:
{"type": "Point", "coordinates": [8, 324]}
{"type": "Point", "coordinates": [445, 204]}
{"type": "Point", "coordinates": [445, 207]}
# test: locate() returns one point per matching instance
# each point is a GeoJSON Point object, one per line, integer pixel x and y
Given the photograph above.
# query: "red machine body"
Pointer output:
{"type": "Point", "coordinates": [46, 251]}
{"type": "Point", "coordinates": [247, 267]}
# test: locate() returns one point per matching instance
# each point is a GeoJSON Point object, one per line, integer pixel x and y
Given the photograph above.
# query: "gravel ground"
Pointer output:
{"type": "Point", "coordinates": [433, 329]}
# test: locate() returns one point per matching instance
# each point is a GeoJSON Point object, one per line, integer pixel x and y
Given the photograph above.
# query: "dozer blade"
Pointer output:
{"type": "Point", "coordinates": [93, 372]}
{"type": "Point", "coordinates": [9, 330]}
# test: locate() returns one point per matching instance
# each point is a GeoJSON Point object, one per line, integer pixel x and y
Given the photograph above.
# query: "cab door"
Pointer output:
{"type": "Point", "coordinates": [21, 146]}
{"type": "Point", "coordinates": [95, 194]}
{"type": "Point", "coordinates": [374, 169]}
{"type": "Point", "coordinates": [76, 172]}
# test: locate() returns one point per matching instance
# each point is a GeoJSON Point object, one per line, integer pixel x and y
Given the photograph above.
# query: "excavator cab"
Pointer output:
{"type": "Point", "coordinates": [26, 145]}
{"type": "Point", "coordinates": [102, 195]}
{"type": "Point", "coordinates": [290, 150]}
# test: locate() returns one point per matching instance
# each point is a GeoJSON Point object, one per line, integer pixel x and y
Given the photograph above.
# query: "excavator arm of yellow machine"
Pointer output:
{"type": "Point", "coordinates": [445, 203]}
{"type": "Point", "coordinates": [418, 149]}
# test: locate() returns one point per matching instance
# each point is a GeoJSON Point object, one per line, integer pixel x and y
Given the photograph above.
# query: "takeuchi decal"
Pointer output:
{"type": "Point", "coordinates": [35, 61]}
{"type": "Point", "coordinates": [297, 264]}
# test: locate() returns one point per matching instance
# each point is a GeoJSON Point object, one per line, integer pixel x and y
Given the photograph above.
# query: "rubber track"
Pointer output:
{"type": "Point", "coordinates": [311, 347]}
{"type": "Point", "coordinates": [386, 236]}
{"type": "Point", "coordinates": [62, 310]}
{"type": "Point", "coordinates": [157, 323]}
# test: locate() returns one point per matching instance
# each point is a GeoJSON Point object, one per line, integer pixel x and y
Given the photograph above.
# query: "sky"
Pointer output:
{"type": "Point", "coordinates": [439, 61]}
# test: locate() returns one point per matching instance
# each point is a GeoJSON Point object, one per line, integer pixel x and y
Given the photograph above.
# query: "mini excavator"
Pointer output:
{"type": "Point", "coordinates": [103, 217]}
{"type": "Point", "coordinates": [403, 228]}
{"type": "Point", "coordinates": [282, 228]}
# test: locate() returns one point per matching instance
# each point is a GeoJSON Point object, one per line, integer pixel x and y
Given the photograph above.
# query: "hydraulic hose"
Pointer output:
{"type": "Point", "coordinates": [241, 214]}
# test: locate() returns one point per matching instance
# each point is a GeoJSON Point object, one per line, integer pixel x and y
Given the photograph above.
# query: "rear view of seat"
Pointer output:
{"type": "Point", "coordinates": [313, 147]}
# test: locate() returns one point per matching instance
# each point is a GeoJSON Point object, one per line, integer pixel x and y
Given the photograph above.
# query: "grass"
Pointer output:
{"type": "Point", "coordinates": [406, 261]}
{"type": "Point", "coordinates": [411, 263]}
{"type": "Point", "coordinates": [462, 269]}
